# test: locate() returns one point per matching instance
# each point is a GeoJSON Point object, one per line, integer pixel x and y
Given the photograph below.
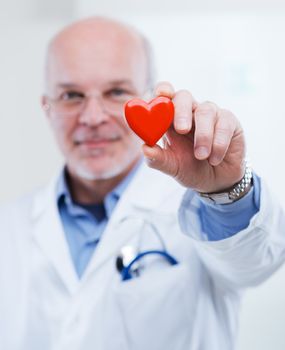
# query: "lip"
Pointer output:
{"type": "Point", "coordinates": [96, 144]}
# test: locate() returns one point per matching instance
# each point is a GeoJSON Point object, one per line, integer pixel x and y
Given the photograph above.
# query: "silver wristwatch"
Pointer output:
{"type": "Point", "coordinates": [234, 193]}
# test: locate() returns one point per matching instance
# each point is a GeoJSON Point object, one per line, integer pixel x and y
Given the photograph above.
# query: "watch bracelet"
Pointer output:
{"type": "Point", "coordinates": [231, 194]}
{"type": "Point", "coordinates": [241, 186]}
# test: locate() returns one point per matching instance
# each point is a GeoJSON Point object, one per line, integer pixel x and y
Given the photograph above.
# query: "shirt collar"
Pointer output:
{"type": "Point", "coordinates": [121, 187]}
{"type": "Point", "coordinates": [110, 201]}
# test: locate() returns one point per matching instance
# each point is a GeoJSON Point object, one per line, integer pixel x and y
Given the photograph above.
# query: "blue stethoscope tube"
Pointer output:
{"type": "Point", "coordinates": [126, 271]}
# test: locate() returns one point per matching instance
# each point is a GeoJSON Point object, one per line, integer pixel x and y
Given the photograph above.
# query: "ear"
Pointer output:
{"type": "Point", "coordinates": [45, 105]}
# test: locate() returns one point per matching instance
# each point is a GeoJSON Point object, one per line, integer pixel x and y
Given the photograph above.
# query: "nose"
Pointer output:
{"type": "Point", "coordinates": [93, 112]}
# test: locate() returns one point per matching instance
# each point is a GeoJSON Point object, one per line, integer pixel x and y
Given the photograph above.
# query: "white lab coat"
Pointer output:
{"type": "Point", "coordinates": [191, 306]}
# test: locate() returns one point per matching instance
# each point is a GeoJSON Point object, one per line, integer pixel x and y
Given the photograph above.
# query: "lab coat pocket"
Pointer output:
{"type": "Point", "coordinates": [156, 309]}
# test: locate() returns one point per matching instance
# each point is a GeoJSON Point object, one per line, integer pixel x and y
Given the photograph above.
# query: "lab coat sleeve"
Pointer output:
{"type": "Point", "coordinates": [246, 258]}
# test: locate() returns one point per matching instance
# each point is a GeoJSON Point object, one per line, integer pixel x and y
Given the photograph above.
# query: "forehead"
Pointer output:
{"type": "Point", "coordinates": [97, 57]}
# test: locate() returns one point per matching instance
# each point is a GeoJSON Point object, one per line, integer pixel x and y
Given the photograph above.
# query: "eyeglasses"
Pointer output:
{"type": "Point", "coordinates": [73, 103]}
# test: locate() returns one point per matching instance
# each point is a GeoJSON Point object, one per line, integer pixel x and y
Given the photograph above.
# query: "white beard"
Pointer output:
{"type": "Point", "coordinates": [86, 174]}
{"type": "Point", "coordinates": [119, 167]}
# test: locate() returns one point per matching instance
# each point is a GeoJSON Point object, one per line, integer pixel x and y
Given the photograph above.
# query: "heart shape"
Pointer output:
{"type": "Point", "coordinates": [150, 120]}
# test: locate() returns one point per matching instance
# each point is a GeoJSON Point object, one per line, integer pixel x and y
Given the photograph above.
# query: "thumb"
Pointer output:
{"type": "Point", "coordinates": [160, 159]}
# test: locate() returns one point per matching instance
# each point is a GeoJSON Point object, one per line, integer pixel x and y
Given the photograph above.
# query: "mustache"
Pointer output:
{"type": "Point", "coordinates": [95, 136]}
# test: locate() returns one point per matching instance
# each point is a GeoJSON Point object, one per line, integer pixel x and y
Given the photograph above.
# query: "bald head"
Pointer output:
{"type": "Point", "coordinates": [99, 39]}
{"type": "Point", "coordinates": [94, 67]}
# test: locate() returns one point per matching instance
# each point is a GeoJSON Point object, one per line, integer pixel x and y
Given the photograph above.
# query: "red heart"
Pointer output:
{"type": "Point", "coordinates": [150, 120]}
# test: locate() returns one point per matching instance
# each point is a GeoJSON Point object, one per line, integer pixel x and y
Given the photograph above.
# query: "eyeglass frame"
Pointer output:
{"type": "Point", "coordinates": [87, 97]}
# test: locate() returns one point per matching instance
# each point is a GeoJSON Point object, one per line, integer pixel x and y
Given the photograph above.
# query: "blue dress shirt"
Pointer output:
{"type": "Point", "coordinates": [84, 224]}
{"type": "Point", "coordinates": [222, 221]}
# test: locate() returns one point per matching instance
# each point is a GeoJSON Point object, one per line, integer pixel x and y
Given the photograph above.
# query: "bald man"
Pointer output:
{"type": "Point", "coordinates": [201, 227]}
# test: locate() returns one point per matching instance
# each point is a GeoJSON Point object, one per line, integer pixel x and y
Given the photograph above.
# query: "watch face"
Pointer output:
{"type": "Point", "coordinates": [217, 198]}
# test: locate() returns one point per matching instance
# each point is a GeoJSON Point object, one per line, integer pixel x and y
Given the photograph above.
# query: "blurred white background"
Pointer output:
{"type": "Point", "coordinates": [230, 52]}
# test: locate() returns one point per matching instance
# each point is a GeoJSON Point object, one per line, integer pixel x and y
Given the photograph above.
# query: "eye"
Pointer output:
{"type": "Point", "coordinates": [118, 93]}
{"type": "Point", "coordinates": [72, 96]}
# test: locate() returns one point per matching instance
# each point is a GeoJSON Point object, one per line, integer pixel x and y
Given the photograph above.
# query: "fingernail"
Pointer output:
{"type": "Point", "coordinates": [201, 152]}
{"type": "Point", "coordinates": [214, 160]}
{"type": "Point", "coordinates": [182, 124]}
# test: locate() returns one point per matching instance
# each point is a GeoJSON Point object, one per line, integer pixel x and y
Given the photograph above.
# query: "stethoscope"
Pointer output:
{"type": "Point", "coordinates": [128, 261]}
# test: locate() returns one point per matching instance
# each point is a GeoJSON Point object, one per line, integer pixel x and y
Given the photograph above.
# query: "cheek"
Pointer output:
{"type": "Point", "coordinates": [133, 143]}
{"type": "Point", "coordinates": [124, 128]}
{"type": "Point", "coordinates": [63, 129]}
{"type": "Point", "coordinates": [129, 137]}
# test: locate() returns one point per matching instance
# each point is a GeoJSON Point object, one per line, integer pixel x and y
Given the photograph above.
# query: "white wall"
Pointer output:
{"type": "Point", "coordinates": [234, 59]}
{"type": "Point", "coordinates": [28, 156]}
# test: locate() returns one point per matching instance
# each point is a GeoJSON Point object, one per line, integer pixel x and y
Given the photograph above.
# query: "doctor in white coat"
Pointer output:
{"type": "Point", "coordinates": [60, 285]}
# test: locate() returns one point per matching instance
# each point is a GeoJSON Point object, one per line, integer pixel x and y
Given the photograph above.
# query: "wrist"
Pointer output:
{"type": "Point", "coordinates": [233, 193]}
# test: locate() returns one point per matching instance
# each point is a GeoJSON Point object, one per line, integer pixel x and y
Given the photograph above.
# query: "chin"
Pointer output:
{"type": "Point", "coordinates": [91, 174]}
{"type": "Point", "coordinates": [104, 167]}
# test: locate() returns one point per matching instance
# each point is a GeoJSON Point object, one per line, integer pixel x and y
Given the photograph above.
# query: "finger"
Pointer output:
{"type": "Point", "coordinates": [183, 103]}
{"type": "Point", "coordinates": [223, 134]}
{"type": "Point", "coordinates": [160, 159]}
{"type": "Point", "coordinates": [164, 88]}
{"type": "Point", "coordinates": [205, 116]}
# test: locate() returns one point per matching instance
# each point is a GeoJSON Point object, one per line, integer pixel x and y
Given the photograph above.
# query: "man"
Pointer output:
{"type": "Point", "coordinates": [60, 273]}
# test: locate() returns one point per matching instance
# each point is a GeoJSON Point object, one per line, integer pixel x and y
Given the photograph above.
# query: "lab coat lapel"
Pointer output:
{"type": "Point", "coordinates": [49, 235]}
{"type": "Point", "coordinates": [145, 193]}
